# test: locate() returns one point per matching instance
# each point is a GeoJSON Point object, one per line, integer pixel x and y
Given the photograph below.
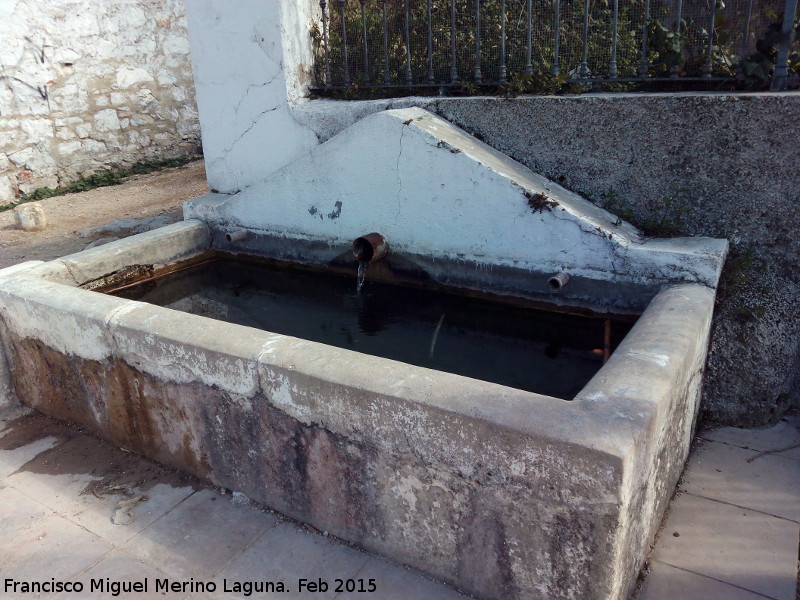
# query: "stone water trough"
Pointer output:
{"type": "Point", "coordinates": [506, 494]}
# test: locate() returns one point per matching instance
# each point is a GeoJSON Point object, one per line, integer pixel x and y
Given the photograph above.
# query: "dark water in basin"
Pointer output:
{"type": "Point", "coordinates": [545, 352]}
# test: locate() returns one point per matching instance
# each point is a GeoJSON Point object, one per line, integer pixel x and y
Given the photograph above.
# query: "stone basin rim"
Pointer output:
{"type": "Point", "coordinates": [267, 348]}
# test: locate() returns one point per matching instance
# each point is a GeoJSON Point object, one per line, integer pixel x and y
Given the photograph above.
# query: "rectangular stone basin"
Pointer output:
{"type": "Point", "coordinates": [503, 493]}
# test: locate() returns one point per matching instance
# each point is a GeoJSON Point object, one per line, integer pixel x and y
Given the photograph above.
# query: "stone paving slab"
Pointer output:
{"type": "Point", "coordinates": [14, 457]}
{"type": "Point", "coordinates": [89, 482]}
{"type": "Point", "coordinates": [288, 554]}
{"type": "Point", "coordinates": [770, 484]}
{"type": "Point", "coordinates": [667, 582]}
{"type": "Point", "coordinates": [745, 548]}
{"type": "Point", "coordinates": [56, 476]}
{"type": "Point", "coordinates": [782, 435]}
{"type": "Point", "coordinates": [142, 505]}
{"type": "Point", "coordinates": [399, 583]}
{"type": "Point", "coordinates": [51, 548]}
{"type": "Point", "coordinates": [200, 536]}
{"type": "Point", "coordinates": [18, 513]}
{"type": "Point", "coordinates": [24, 435]}
{"type": "Point", "coordinates": [117, 566]}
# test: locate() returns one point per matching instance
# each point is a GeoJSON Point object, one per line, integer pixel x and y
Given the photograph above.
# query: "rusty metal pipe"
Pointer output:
{"type": "Point", "coordinates": [556, 282]}
{"type": "Point", "coordinates": [370, 248]}
{"type": "Point", "coordinates": [235, 236]}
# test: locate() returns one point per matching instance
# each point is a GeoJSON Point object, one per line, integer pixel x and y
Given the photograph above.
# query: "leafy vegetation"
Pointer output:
{"type": "Point", "coordinates": [413, 54]}
{"type": "Point", "coordinates": [756, 68]}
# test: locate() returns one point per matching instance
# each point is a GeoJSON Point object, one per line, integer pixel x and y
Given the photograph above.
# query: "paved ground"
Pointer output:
{"type": "Point", "coordinates": [75, 508]}
{"type": "Point", "coordinates": [733, 528]}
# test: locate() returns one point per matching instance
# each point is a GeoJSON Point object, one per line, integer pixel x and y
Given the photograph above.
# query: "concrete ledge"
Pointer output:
{"type": "Point", "coordinates": [644, 401]}
{"type": "Point", "coordinates": [69, 320]}
{"type": "Point", "coordinates": [157, 247]}
{"type": "Point", "coordinates": [20, 267]}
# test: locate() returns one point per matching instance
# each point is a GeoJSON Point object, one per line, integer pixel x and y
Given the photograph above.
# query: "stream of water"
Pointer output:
{"type": "Point", "coordinates": [362, 273]}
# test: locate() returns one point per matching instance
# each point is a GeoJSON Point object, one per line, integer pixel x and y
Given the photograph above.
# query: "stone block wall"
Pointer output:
{"type": "Point", "coordinates": [91, 85]}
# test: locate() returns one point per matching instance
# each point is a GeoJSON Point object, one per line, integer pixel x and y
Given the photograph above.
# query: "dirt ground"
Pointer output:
{"type": "Point", "coordinates": [76, 221]}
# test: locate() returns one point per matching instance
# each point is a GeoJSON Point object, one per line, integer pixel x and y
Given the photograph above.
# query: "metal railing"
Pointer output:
{"type": "Point", "coordinates": [440, 44]}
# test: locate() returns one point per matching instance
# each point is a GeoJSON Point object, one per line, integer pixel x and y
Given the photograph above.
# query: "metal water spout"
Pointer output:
{"type": "Point", "coordinates": [236, 236]}
{"type": "Point", "coordinates": [558, 281]}
{"type": "Point", "coordinates": [370, 248]}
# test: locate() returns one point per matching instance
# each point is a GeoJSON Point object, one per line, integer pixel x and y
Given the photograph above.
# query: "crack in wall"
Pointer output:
{"type": "Point", "coordinates": [254, 122]}
{"type": "Point", "coordinates": [255, 85]}
{"type": "Point", "coordinates": [399, 178]}
{"type": "Point", "coordinates": [70, 269]}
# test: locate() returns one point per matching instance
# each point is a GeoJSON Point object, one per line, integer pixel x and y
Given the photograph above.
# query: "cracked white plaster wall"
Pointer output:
{"type": "Point", "coordinates": [251, 65]}
{"type": "Point", "coordinates": [434, 191]}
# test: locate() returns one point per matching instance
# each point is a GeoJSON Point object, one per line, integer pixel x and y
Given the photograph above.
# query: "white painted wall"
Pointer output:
{"type": "Point", "coordinates": [433, 190]}
{"type": "Point", "coordinates": [252, 64]}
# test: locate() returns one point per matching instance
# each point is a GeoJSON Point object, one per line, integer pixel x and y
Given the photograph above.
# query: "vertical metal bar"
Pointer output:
{"type": "Point", "coordinates": [782, 66]}
{"type": "Point", "coordinates": [677, 16]}
{"type": "Point", "coordinates": [612, 66]}
{"type": "Point", "coordinates": [675, 70]}
{"type": "Point", "coordinates": [643, 66]}
{"type": "Point", "coordinates": [477, 41]}
{"type": "Point", "coordinates": [606, 341]}
{"type": "Point", "coordinates": [409, 79]}
{"type": "Point", "coordinates": [386, 76]}
{"type": "Point", "coordinates": [431, 78]}
{"type": "Point", "coordinates": [710, 48]}
{"type": "Point", "coordinates": [583, 72]}
{"type": "Point", "coordinates": [344, 44]}
{"type": "Point", "coordinates": [367, 77]}
{"type": "Point", "coordinates": [323, 5]}
{"type": "Point", "coordinates": [454, 64]}
{"type": "Point", "coordinates": [555, 69]}
{"type": "Point", "coordinates": [503, 74]}
{"type": "Point", "coordinates": [746, 32]}
{"type": "Point", "coordinates": [529, 53]}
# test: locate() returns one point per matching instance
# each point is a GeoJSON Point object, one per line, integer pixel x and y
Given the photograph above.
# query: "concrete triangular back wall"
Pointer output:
{"type": "Point", "coordinates": [439, 195]}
